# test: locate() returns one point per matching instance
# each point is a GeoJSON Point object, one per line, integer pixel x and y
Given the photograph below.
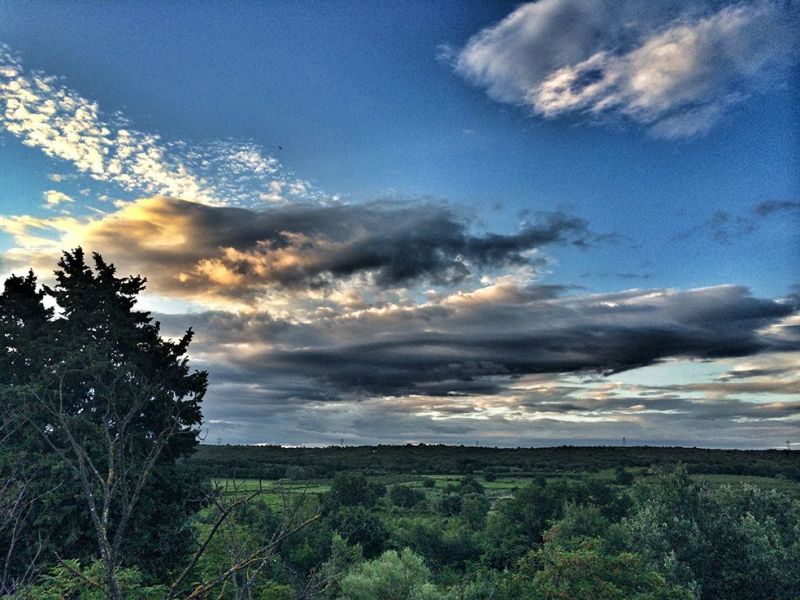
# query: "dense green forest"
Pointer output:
{"type": "Point", "coordinates": [105, 491]}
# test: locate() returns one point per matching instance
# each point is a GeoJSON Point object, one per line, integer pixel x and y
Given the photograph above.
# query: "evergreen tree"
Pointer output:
{"type": "Point", "coordinates": [103, 410]}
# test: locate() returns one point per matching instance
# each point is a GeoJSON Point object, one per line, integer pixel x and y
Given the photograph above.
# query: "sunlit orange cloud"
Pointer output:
{"type": "Point", "coordinates": [173, 243]}
{"type": "Point", "coordinates": [224, 257]}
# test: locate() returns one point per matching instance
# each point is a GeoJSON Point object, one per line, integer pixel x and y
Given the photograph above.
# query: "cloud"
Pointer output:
{"type": "Point", "coordinates": [772, 207]}
{"type": "Point", "coordinates": [325, 327]}
{"type": "Point", "coordinates": [54, 198]}
{"type": "Point", "coordinates": [191, 250]}
{"type": "Point", "coordinates": [506, 363]}
{"type": "Point", "coordinates": [46, 114]}
{"type": "Point", "coordinates": [725, 227]}
{"type": "Point", "coordinates": [483, 343]}
{"type": "Point", "coordinates": [674, 68]}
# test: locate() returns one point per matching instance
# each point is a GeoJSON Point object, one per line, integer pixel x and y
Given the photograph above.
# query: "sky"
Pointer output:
{"type": "Point", "coordinates": [513, 224]}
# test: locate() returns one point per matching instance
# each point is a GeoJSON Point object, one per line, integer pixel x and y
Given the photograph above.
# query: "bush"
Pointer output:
{"type": "Point", "coordinates": [470, 485]}
{"type": "Point", "coordinates": [405, 497]}
{"type": "Point", "coordinates": [622, 476]}
{"type": "Point", "coordinates": [449, 505]}
{"type": "Point", "coordinates": [355, 490]}
{"type": "Point", "coordinates": [70, 580]}
{"type": "Point", "coordinates": [474, 508]}
{"type": "Point", "coordinates": [588, 573]}
{"type": "Point", "coordinates": [393, 576]}
{"type": "Point", "coordinates": [357, 525]}
{"type": "Point", "coordinates": [735, 542]}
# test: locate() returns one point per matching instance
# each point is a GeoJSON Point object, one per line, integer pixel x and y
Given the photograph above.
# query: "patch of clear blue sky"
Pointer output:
{"type": "Point", "coordinates": [354, 94]}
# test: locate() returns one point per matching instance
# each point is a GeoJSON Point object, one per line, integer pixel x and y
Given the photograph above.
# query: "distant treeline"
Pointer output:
{"type": "Point", "coordinates": [276, 462]}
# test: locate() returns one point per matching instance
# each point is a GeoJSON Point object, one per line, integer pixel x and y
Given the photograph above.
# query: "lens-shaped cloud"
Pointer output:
{"type": "Point", "coordinates": [674, 67]}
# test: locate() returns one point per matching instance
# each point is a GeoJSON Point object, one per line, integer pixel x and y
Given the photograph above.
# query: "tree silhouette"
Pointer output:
{"type": "Point", "coordinates": [105, 406]}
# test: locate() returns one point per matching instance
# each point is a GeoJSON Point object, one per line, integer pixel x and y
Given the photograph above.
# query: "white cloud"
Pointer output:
{"type": "Point", "coordinates": [45, 114]}
{"type": "Point", "coordinates": [676, 73]}
{"type": "Point", "coordinates": [54, 198]}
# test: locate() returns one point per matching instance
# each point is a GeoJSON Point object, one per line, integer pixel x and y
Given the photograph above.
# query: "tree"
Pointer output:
{"type": "Point", "coordinates": [405, 496]}
{"type": "Point", "coordinates": [350, 489]}
{"type": "Point", "coordinates": [449, 505]}
{"type": "Point", "coordinates": [733, 542]}
{"type": "Point", "coordinates": [587, 572]}
{"type": "Point", "coordinates": [107, 404]}
{"type": "Point", "coordinates": [358, 525]}
{"type": "Point", "coordinates": [474, 508]}
{"type": "Point", "coordinates": [392, 576]}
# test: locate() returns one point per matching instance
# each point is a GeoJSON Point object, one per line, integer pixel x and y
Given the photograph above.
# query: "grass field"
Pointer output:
{"type": "Point", "coordinates": [285, 492]}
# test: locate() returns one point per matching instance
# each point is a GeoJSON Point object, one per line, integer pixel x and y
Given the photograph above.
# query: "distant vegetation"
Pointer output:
{"type": "Point", "coordinates": [274, 462]}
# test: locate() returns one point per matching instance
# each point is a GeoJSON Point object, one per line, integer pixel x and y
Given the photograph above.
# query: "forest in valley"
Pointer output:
{"type": "Point", "coordinates": [106, 492]}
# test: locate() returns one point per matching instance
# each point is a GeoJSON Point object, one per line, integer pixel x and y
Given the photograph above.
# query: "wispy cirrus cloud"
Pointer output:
{"type": "Point", "coordinates": [45, 113]}
{"type": "Point", "coordinates": [674, 68]}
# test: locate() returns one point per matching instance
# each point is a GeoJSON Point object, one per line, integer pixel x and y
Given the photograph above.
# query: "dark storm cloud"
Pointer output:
{"type": "Point", "coordinates": [480, 343]}
{"type": "Point", "coordinates": [189, 248]}
{"type": "Point", "coordinates": [750, 373]}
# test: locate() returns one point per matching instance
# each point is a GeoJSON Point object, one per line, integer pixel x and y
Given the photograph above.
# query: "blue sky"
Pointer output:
{"type": "Point", "coordinates": [612, 146]}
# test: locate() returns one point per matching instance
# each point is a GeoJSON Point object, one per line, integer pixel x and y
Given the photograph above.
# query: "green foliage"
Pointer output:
{"type": "Point", "coordinates": [470, 485]}
{"type": "Point", "coordinates": [449, 504]}
{"type": "Point", "coordinates": [392, 576]}
{"type": "Point", "coordinates": [358, 525]}
{"type": "Point", "coordinates": [71, 580]}
{"type": "Point", "coordinates": [474, 508]}
{"type": "Point", "coordinates": [352, 489]}
{"type": "Point", "coordinates": [732, 542]}
{"type": "Point", "coordinates": [441, 542]}
{"type": "Point", "coordinates": [92, 362]}
{"type": "Point", "coordinates": [250, 527]}
{"type": "Point", "coordinates": [405, 496]}
{"type": "Point", "coordinates": [579, 521]}
{"type": "Point", "coordinates": [622, 476]}
{"type": "Point", "coordinates": [343, 557]}
{"type": "Point", "coordinates": [483, 584]}
{"type": "Point", "coordinates": [587, 572]}
{"type": "Point", "coordinates": [306, 549]}
{"type": "Point", "coordinates": [433, 459]}
{"type": "Point", "coordinates": [271, 590]}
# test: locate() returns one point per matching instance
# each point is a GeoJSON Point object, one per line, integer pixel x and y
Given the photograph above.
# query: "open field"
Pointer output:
{"type": "Point", "coordinates": [285, 492]}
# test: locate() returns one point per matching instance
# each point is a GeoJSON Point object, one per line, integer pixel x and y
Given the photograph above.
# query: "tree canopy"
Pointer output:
{"type": "Point", "coordinates": [96, 403]}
